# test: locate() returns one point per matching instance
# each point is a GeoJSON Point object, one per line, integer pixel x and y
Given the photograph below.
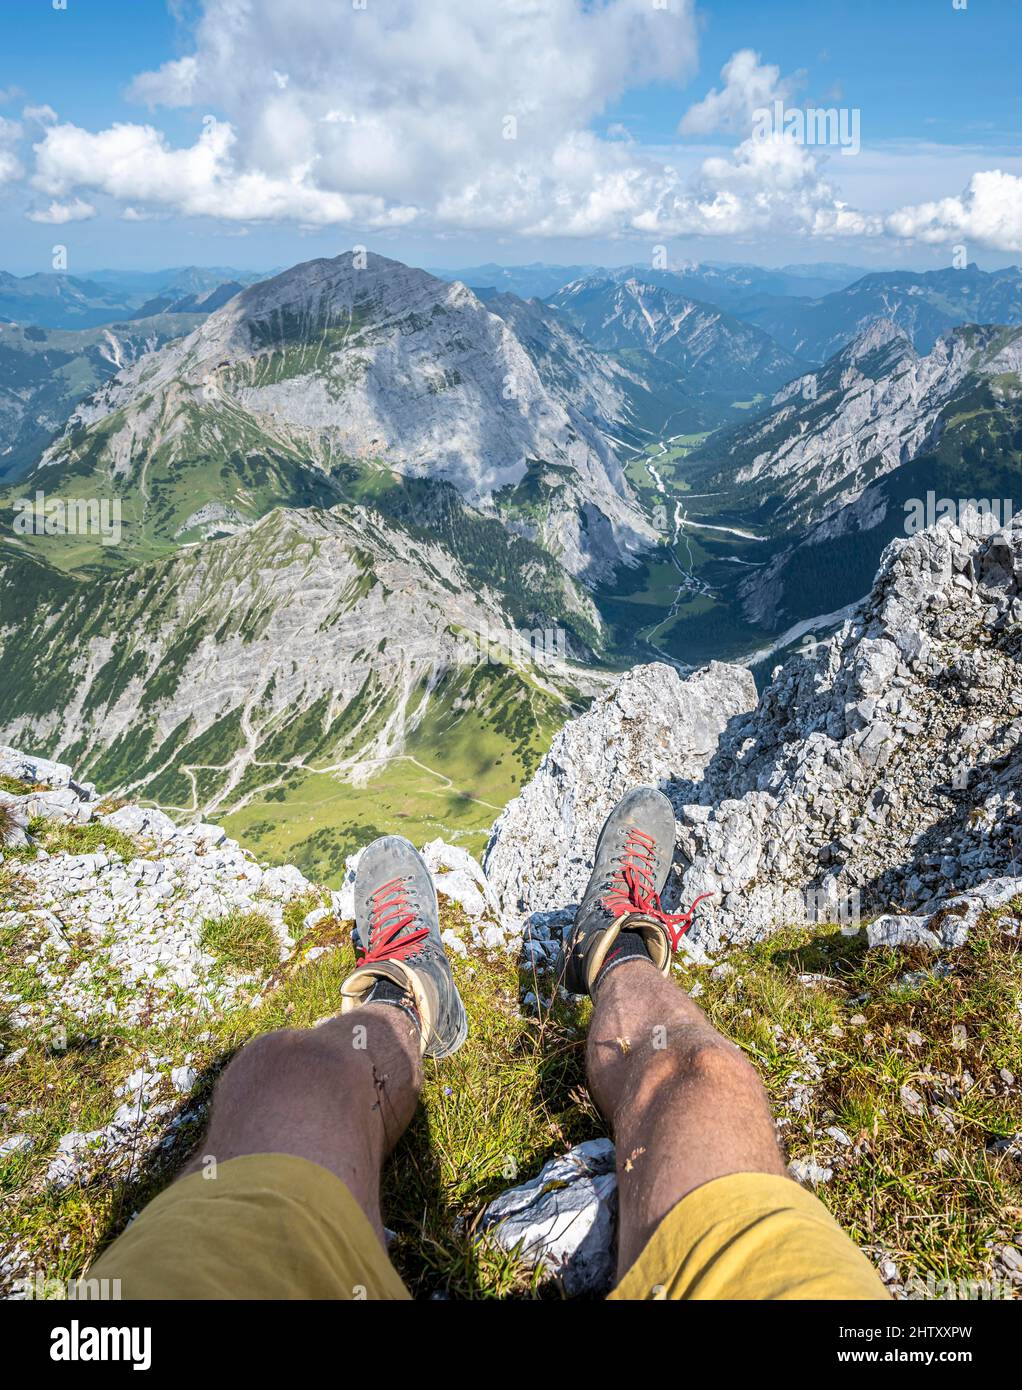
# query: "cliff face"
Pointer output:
{"type": "Point", "coordinates": [878, 772]}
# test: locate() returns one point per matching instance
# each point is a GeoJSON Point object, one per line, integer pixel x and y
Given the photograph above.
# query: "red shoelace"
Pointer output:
{"type": "Point", "coordinates": [391, 913]}
{"type": "Point", "coordinates": [632, 889]}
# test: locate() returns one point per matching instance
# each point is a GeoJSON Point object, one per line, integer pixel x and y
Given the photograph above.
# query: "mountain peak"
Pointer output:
{"type": "Point", "coordinates": [882, 333]}
{"type": "Point", "coordinates": [343, 279]}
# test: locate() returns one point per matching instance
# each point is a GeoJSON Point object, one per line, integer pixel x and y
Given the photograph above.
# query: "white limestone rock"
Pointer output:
{"type": "Point", "coordinates": [145, 822]}
{"type": "Point", "coordinates": [27, 767]}
{"type": "Point", "coordinates": [653, 727]}
{"type": "Point", "coordinates": [564, 1218]}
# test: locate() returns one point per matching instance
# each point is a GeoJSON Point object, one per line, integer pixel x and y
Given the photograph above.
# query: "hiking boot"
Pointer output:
{"type": "Point", "coordinates": [620, 917]}
{"type": "Point", "coordinates": [401, 959]}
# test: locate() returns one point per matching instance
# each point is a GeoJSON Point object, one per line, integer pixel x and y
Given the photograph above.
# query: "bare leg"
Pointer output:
{"type": "Point", "coordinates": [685, 1105]}
{"type": "Point", "coordinates": [340, 1095]}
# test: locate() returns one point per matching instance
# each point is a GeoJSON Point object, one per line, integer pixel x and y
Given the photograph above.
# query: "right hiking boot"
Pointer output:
{"type": "Point", "coordinates": [401, 958]}
{"type": "Point", "coordinates": [620, 917]}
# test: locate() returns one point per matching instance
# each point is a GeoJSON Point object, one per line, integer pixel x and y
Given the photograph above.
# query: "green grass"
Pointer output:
{"type": "Point", "coordinates": [242, 941]}
{"type": "Point", "coordinates": [909, 1188]}
{"type": "Point", "coordinates": [925, 1190]}
{"type": "Point", "coordinates": [456, 772]}
{"type": "Point", "coordinates": [512, 1098]}
{"type": "Point", "coordinates": [57, 837]}
{"type": "Point", "coordinates": [13, 786]}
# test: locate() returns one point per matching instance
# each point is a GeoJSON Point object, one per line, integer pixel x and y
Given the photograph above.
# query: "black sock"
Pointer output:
{"type": "Point", "coordinates": [387, 992]}
{"type": "Point", "coordinates": [629, 945]}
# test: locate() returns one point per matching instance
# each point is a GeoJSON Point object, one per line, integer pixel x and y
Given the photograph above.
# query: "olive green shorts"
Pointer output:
{"type": "Point", "coordinates": [276, 1226]}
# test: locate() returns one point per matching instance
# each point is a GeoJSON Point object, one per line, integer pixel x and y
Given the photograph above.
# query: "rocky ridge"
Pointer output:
{"type": "Point", "coordinates": [331, 617]}
{"type": "Point", "coordinates": [876, 774]}
{"type": "Point", "coordinates": [874, 406]}
{"type": "Point", "coordinates": [712, 350]}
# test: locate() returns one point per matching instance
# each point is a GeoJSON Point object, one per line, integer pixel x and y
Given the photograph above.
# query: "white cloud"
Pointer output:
{"type": "Point", "coordinates": [58, 213]}
{"type": "Point", "coordinates": [389, 113]}
{"type": "Point", "coordinates": [41, 115]}
{"type": "Point", "coordinates": [133, 214]}
{"type": "Point", "coordinates": [10, 164]}
{"type": "Point", "coordinates": [988, 213]}
{"type": "Point", "coordinates": [135, 163]}
{"type": "Point", "coordinates": [765, 185]}
{"type": "Point", "coordinates": [474, 116]}
{"type": "Point", "coordinates": [749, 84]}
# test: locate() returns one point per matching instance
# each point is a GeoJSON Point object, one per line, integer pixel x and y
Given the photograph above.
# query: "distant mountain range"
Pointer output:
{"type": "Point", "coordinates": [713, 353]}
{"type": "Point", "coordinates": [926, 305]}
{"type": "Point", "coordinates": [57, 300]}
{"type": "Point", "coordinates": [534, 281]}
{"type": "Point", "coordinates": [727, 286]}
{"type": "Point", "coordinates": [348, 489]}
{"type": "Point", "coordinates": [45, 372]}
{"type": "Point", "coordinates": [197, 302]}
{"type": "Point", "coordinates": [810, 311]}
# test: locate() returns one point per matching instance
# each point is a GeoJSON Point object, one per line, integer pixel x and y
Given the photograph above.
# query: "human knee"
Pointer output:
{"type": "Point", "coordinates": [710, 1062]}
{"type": "Point", "coordinates": [281, 1058]}
{"type": "Point", "coordinates": [717, 1063]}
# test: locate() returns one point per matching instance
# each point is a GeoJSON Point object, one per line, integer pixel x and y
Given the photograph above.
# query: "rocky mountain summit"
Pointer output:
{"type": "Point", "coordinates": [877, 773]}
{"type": "Point", "coordinates": [343, 361]}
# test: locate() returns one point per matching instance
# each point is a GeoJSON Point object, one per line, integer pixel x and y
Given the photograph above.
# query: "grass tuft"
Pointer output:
{"type": "Point", "coordinates": [61, 837]}
{"type": "Point", "coordinates": [14, 786]}
{"type": "Point", "coordinates": [242, 941]}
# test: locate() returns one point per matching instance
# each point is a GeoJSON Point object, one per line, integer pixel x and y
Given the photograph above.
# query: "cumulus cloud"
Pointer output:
{"type": "Point", "coordinates": [462, 113]}
{"type": "Point", "coordinates": [749, 84]}
{"type": "Point", "coordinates": [474, 116]}
{"type": "Point", "coordinates": [770, 184]}
{"type": "Point", "coordinates": [135, 163]}
{"type": "Point", "coordinates": [57, 213]}
{"type": "Point", "coordinates": [988, 213]}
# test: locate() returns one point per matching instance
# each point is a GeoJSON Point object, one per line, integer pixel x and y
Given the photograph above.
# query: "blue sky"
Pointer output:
{"type": "Point", "coordinates": [261, 132]}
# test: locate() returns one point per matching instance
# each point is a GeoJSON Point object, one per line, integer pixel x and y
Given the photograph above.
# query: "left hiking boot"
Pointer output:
{"type": "Point", "coordinates": [401, 958]}
{"type": "Point", "coordinates": [621, 917]}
